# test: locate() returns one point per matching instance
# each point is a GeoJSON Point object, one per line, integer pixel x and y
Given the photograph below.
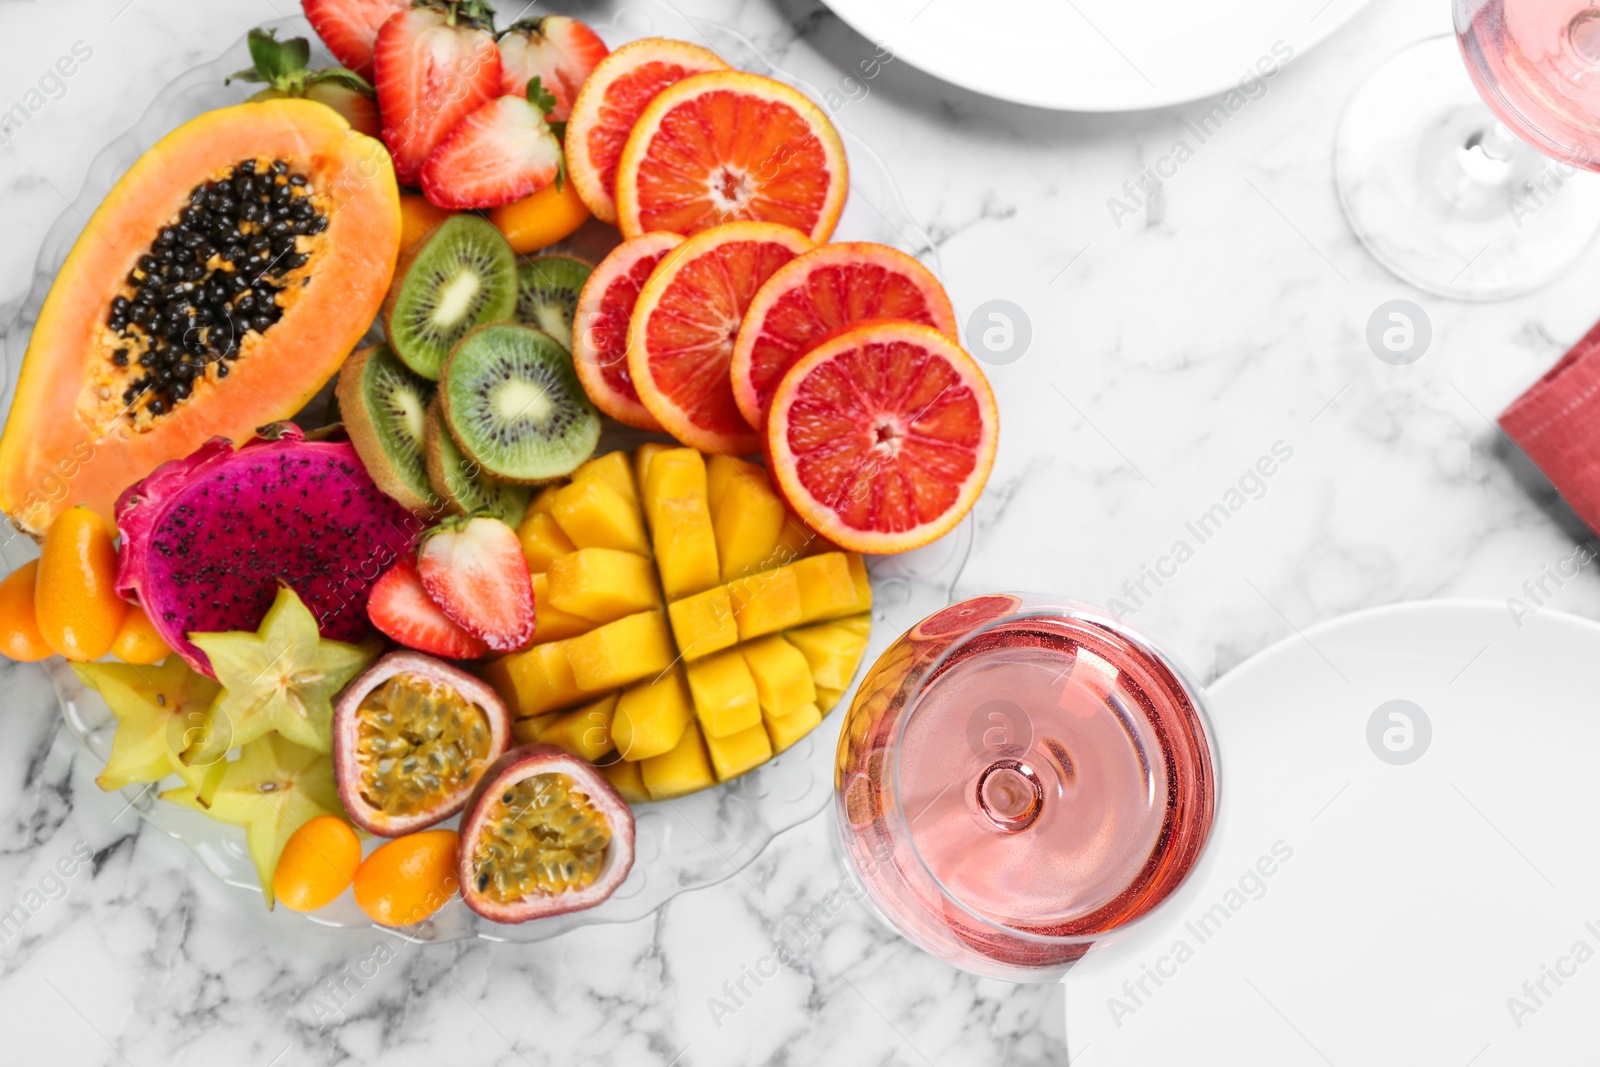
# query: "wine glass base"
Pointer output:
{"type": "Point", "coordinates": [1443, 196]}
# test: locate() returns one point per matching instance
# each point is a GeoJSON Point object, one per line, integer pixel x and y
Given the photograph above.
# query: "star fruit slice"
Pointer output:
{"type": "Point", "coordinates": [159, 710]}
{"type": "Point", "coordinates": [272, 789]}
{"type": "Point", "coordinates": [281, 678]}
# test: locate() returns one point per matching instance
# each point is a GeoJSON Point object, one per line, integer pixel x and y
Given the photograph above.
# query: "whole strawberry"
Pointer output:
{"type": "Point", "coordinates": [474, 569]}
{"type": "Point", "coordinates": [282, 65]}
{"type": "Point", "coordinates": [433, 66]}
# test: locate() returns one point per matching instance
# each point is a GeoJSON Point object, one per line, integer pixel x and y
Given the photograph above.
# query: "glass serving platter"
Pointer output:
{"type": "Point", "coordinates": [681, 845]}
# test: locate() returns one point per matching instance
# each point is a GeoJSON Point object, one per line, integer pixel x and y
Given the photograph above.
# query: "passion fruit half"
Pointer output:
{"type": "Point", "coordinates": [545, 834]}
{"type": "Point", "coordinates": [411, 738]}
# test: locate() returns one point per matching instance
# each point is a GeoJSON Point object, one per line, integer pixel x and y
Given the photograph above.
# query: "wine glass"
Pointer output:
{"type": "Point", "coordinates": [1021, 779]}
{"type": "Point", "coordinates": [1480, 195]}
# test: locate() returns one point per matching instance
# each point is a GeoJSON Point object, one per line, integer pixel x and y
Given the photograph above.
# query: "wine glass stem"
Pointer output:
{"type": "Point", "coordinates": [1496, 141]}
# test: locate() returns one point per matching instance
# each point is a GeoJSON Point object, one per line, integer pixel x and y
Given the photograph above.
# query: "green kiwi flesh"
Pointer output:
{"type": "Point", "coordinates": [514, 404]}
{"type": "Point", "coordinates": [462, 276]}
{"type": "Point", "coordinates": [384, 407]}
{"type": "Point", "coordinates": [465, 488]}
{"type": "Point", "coordinates": [547, 294]}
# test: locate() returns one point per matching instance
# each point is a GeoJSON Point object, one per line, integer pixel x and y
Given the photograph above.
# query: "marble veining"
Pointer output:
{"type": "Point", "coordinates": [1171, 348]}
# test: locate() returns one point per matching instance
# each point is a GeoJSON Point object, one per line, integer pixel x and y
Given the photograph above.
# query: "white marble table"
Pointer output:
{"type": "Point", "coordinates": [1168, 353]}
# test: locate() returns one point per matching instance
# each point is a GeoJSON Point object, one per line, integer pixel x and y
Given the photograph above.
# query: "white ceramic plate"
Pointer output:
{"type": "Point", "coordinates": [683, 844]}
{"type": "Point", "coordinates": [1357, 909]}
{"type": "Point", "coordinates": [1094, 55]}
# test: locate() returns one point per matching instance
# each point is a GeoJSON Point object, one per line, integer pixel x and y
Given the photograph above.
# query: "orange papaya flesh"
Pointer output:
{"type": "Point", "coordinates": [90, 417]}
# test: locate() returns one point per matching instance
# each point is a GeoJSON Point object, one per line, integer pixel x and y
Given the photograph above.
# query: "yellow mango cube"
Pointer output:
{"type": "Point", "coordinates": [595, 515]}
{"type": "Point", "coordinates": [832, 585]}
{"type": "Point", "coordinates": [795, 540]}
{"type": "Point", "coordinates": [787, 729]}
{"type": "Point", "coordinates": [602, 584]}
{"type": "Point", "coordinates": [585, 732]}
{"type": "Point", "coordinates": [543, 541]}
{"type": "Point", "coordinates": [553, 623]}
{"type": "Point", "coordinates": [620, 652]}
{"type": "Point", "coordinates": [651, 716]}
{"type": "Point", "coordinates": [721, 471]}
{"type": "Point", "coordinates": [704, 623]}
{"type": "Point", "coordinates": [536, 681]}
{"type": "Point", "coordinates": [685, 769]}
{"type": "Point", "coordinates": [680, 522]}
{"type": "Point", "coordinates": [613, 469]}
{"type": "Point", "coordinates": [782, 676]}
{"type": "Point", "coordinates": [736, 753]}
{"type": "Point", "coordinates": [641, 465]}
{"type": "Point", "coordinates": [544, 501]}
{"type": "Point", "coordinates": [724, 694]}
{"type": "Point", "coordinates": [748, 519]}
{"type": "Point", "coordinates": [833, 650]}
{"type": "Point", "coordinates": [765, 603]}
{"type": "Point", "coordinates": [828, 699]}
{"type": "Point", "coordinates": [627, 778]}
{"type": "Point", "coordinates": [526, 731]}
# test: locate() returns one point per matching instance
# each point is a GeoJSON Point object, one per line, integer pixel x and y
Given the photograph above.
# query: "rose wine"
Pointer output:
{"type": "Point", "coordinates": [1536, 63]}
{"type": "Point", "coordinates": [1017, 781]}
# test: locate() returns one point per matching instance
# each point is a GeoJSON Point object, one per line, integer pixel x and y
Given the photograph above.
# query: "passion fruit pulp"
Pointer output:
{"type": "Point", "coordinates": [545, 834]}
{"type": "Point", "coordinates": [411, 739]}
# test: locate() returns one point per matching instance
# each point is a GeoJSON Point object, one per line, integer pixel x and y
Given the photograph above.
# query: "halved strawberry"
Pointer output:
{"type": "Point", "coordinates": [350, 27]}
{"type": "Point", "coordinates": [475, 571]}
{"type": "Point", "coordinates": [558, 50]}
{"type": "Point", "coordinates": [500, 153]}
{"type": "Point", "coordinates": [433, 66]}
{"type": "Point", "coordinates": [402, 609]}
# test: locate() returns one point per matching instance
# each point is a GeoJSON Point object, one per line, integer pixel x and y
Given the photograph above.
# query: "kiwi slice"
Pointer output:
{"type": "Point", "coordinates": [514, 404]}
{"type": "Point", "coordinates": [384, 406]}
{"type": "Point", "coordinates": [547, 294]}
{"type": "Point", "coordinates": [466, 489]}
{"type": "Point", "coordinates": [462, 276]}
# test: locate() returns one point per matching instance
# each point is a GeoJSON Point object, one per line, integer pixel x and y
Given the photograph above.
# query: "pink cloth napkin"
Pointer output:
{"type": "Point", "coordinates": [1557, 423]}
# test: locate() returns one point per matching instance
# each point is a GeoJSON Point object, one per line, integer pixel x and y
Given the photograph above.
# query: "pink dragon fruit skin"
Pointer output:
{"type": "Point", "coordinates": [206, 540]}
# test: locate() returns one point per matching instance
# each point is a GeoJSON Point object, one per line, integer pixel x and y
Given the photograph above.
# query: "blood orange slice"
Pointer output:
{"type": "Point", "coordinates": [600, 336]}
{"type": "Point", "coordinates": [612, 98]}
{"type": "Point", "coordinates": [816, 296]}
{"type": "Point", "coordinates": [726, 145]}
{"type": "Point", "coordinates": [883, 437]}
{"type": "Point", "coordinates": [685, 323]}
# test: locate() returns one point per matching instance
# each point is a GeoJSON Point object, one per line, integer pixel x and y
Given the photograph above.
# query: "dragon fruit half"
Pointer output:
{"type": "Point", "coordinates": [206, 540]}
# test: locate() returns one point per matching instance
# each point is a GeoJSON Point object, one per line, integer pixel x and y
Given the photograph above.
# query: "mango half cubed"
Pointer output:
{"type": "Point", "coordinates": [680, 522]}
{"type": "Point", "coordinates": [585, 732]}
{"type": "Point", "coordinates": [738, 752]}
{"type": "Point", "coordinates": [536, 681]}
{"type": "Point", "coordinates": [551, 623]}
{"type": "Point", "coordinates": [782, 676]}
{"type": "Point", "coordinates": [724, 695]}
{"type": "Point", "coordinates": [827, 699]}
{"type": "Point", "coordinates": [651, 717]}
{"type": "Point", "coordinates": [628, 780]}
{"type": "Point", "coordinates": [620, 652]}
{"type": "Point", "coordinates": [641, 467]}
{"type": "Point", "coordinates": [766, 603]}
{"type": "Point", "coordinates": [785, 730]}
{"type": "Point", "coordinates": [594, 515]}
{"type": "Point", "coordinates": [748, 519]}
{"type": "Point", "coordinates": [833, 650]}
{"type": "Point", "coordinates": [704, 623]}
{"type": "Point", "coordinates": [613, 469]}
{"type": "Point", "coordinates": [602, 584]}
{"type": "Point", "coordinates": [543, 541]}
{"type": "Point", "coordinates": [684, 769]}
{"type": "Point", "coordinates": [832, 585]}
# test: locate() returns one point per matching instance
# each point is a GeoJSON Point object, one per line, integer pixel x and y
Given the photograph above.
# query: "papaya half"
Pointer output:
{"type": "Point", "coordinates": [217, 288]}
